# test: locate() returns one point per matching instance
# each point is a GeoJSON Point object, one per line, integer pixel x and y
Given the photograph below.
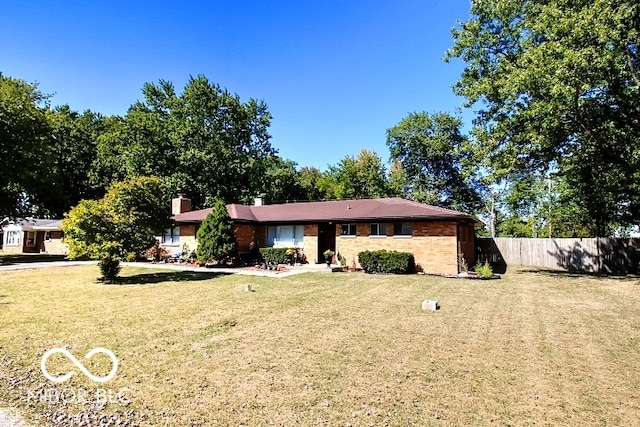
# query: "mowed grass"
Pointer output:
{"type": "Point", "coordinates": [326, 349]}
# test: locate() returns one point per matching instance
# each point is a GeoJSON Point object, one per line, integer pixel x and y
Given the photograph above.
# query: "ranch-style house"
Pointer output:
{"type": "Point", "coordinates": [437, 237]}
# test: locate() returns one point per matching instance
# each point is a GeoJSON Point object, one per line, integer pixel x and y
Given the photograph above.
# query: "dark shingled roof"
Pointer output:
{"type": "Point", "coordinates": [340, 211]}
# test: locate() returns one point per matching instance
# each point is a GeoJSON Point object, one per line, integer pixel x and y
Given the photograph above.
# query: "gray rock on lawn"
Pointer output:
{"type": "Point", "coordinates": [8, 421]}
{"type": "Point", "coordinates": [430, 305]}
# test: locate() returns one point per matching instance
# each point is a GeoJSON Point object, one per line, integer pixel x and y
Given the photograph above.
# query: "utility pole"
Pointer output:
{"type": "Point", "coordinates": [549, 206]}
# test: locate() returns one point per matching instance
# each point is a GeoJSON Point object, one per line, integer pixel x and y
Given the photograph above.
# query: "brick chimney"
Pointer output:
{"type": "Point", "coordinates": [180, 204]}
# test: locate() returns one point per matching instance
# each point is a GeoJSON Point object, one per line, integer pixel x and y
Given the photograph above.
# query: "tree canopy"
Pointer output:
{"type": "Point", "coordinates": [120, 225]}
{"type": "Point", "coordinates": [557, 86]}
{"type": "Point", "coordinates": [428, 151]}
{"type": "Point", "coordinates": [25, 149]}
{"type": "Point", "coordinates": [205, 141]}
{"type": "Point", "coordinates": [362, 176]}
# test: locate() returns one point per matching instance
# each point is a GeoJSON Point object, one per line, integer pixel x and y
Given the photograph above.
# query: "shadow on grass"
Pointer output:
{"type": "Point", "coordinates": [11, 259]}
{"type": "Point", "coordinates": [166, 276]}
{"type": "Point", "coordinates": [579, 275]}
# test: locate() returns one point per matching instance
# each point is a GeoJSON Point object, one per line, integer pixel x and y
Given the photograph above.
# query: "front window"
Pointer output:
{"type": "Point", "coordinates": [377, 229]}
{"type": "Point", "coordinates": [13, 238]}
{"type": "Point", "coordinates": [402, 229]}
{"type": "Point", "coordinates": [171, 236]}
{"type": "Point", "coordinates": [348, 229]}
{"type": "Point", "coordinates": [285, 236]}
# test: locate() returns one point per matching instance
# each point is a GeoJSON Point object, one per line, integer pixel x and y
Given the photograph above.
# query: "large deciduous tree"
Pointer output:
{"type": "Point", "coordinates": [429, 151]}
{"type": "Point", "coordinates": [205, 141]}
{"type": "Point", "coordinates": [278, 180]}
{"type": "Point", "coordinates": [73, 145]}
{"type": "Point", "coordinates": [25, 152]}
{"type": "Point", "coordinates": [121, 224]}
{"type": "Point", "coordinates": [532, 205]}
{"type": "Point", "coordinates": [359, 177]}
{"type": "Point", "coordinates": [558, 86]}
{"type": "Point", "coordinates": [309, 178]}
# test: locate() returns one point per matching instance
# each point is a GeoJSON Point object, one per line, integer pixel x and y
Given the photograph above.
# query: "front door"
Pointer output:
{"type": "Point", "coordinates": [326, 239]}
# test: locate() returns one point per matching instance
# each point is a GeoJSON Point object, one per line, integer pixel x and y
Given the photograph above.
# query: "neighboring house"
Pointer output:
{"type": "Point", "coordinates": [32, 235]}
{"type": "Point", "coordinates": [434, 235]}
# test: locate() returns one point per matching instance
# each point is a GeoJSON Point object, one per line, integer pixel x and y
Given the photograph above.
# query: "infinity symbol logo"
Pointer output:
{"type": "Point", "coordinates": [75, 361]}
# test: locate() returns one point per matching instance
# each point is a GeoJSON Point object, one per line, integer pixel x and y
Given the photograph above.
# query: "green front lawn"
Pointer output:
{"type": "Point", "coordinates": [324, 349]}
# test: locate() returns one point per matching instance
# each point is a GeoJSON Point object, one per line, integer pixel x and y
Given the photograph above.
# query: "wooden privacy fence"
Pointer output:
{"type": "Point", "coordinates": [597, 255]}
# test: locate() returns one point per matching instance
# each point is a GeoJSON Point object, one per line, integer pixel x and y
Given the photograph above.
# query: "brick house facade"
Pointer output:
{"type": "Point", "coordinates": [33, 235]}
{"type": "Point", "coordinates": [435, 236]}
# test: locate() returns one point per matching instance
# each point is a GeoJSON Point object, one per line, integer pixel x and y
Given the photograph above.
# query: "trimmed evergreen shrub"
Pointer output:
{"type": "Point", "coordinates": [275, 255]}
{"type": "Point", "coordinates": [110, 268]}
{"type": "Point", "coordinates": [216, 238]}
{"type": "Point", "coordinates": [384, 261]}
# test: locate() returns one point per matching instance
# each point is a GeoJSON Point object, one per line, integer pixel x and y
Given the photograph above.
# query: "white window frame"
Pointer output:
{"type": "Point", "coordinates": [171, 236]}
{"type": "Point", "coordinates": [380, 229]}
{"type": "Point", "coordinates": [350, 228]}
{"type": "Point", "coordinates": [275, 232]}
{"type": "Point", "coordinates": [13, 237]}
{"type": "Point", "coordinates": [403, 229]}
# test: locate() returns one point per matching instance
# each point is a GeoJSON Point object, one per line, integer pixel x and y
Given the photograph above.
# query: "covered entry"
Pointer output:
{"type": "Point", "coordinates": [326, 239]}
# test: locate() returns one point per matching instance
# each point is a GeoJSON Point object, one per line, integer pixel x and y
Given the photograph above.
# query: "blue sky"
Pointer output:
{"type": "Point", "coordinates": [335, 74]}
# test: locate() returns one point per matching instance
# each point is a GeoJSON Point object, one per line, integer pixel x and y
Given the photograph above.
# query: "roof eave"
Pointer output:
{"type": "Point", "coordinates": [359, 219]}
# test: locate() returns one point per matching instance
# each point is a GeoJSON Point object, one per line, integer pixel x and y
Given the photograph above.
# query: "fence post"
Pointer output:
{"type": "Point", "coordinates": [599, 251]}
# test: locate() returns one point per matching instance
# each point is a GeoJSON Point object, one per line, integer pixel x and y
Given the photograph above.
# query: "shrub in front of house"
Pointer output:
{"type": "Point", "coordinates": [484, 271]}
{"type": "Point", "coordinates": [274, 255]}
{"type": "Point", "coordinates": [156, 253]}
{"type": "Point", "coordinates": [216, 239]}
{"type": "Point", "coordinates": [109, 268]}
{"type": "Point", "coordinates": [384, 261]}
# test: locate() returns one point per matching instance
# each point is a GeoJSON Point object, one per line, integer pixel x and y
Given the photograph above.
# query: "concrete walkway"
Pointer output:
{"type": "Point", "coordinates": [249, 271]}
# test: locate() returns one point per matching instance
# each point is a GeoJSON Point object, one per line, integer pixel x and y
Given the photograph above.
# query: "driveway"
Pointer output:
{"type": "Point", "coordinates": [45, 264]}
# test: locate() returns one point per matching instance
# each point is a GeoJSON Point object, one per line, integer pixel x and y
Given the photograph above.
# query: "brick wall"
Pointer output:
{"type": "Point", "coordinates": [311, 242]}
{"type": "Point", "coordinates": [55, 246]}
{"type": "Point", "coordinates": [179, 205]}
{"type": "Point", "coordinates": [12, 249]}
{"type": "Point", "coordinates": [433, 244]}
{"type": "Point", "coordinates": [245, 234]}
{"type": "Point", "coordinates": [188, 237]}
